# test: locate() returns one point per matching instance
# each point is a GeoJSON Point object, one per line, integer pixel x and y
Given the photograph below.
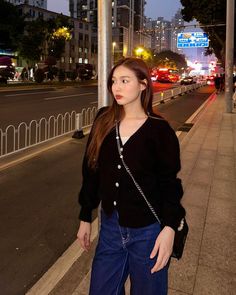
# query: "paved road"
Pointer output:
{"type": "Point", "coordinates": [24, 106]}
{"type": "Point", "coordinates": [33, 104]}
{"type": "Point", "coordinates": [38, 204]}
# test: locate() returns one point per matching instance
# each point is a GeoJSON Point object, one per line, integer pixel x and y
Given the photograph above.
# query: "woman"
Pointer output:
{"type": "Point", "coordinates": [131, 241]}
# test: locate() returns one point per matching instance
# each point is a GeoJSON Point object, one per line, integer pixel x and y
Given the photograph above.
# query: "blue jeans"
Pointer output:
{"type": "Point", "coordinates": [123, 251]}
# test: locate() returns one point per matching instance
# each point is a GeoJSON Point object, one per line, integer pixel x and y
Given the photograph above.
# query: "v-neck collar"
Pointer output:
{"type": "Point", "coordinates": [132, 135]}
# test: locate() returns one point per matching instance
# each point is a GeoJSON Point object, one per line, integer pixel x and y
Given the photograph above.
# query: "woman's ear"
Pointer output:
{"type": "Point", "coordinates": [144, 84]}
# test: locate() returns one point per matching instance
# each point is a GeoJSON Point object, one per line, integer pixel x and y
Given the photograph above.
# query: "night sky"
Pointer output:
{"type": "Point", "coordinates": [165, 8]}
{"type": "Point", "coordinates": [154, 8]}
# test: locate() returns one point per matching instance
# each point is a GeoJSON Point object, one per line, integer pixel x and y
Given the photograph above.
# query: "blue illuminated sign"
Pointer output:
{"type": "Point", "coordinates": [192, 40]}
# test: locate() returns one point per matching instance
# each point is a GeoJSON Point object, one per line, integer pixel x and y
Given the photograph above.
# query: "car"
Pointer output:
{"type": "Point", "coordinates": [164, 75]}
{"type": "Point", "coordinates": [6, 73]}
{"type": "Point", "coordinates": [154, 74]}
{"type": "Point", "coordinates": [187, 80]}
{"type": "Point", "coordinates": [168, 75]}
{"type": "Point", "coordinates": [210, 80]}
{"type": "Point", "coordinates": [85, 71]}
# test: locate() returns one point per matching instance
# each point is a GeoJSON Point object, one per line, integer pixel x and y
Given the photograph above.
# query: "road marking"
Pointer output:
{"type": "Point", "coordinates": [58, 270]}
{"type": "Point", "coordinates": [31, 155]}
{"type": "Point", "coordinates": [64, 96]}
{"type": "Point", "coordinates": [28, 93]}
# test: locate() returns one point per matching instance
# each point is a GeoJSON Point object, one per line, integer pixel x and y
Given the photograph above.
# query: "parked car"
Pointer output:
{"type": "Point", "coordinates": [188, 80]}
{"type": "Point", "coordinates": [7, 71]}
{"type": "Point", "coordinates": [85, 71]}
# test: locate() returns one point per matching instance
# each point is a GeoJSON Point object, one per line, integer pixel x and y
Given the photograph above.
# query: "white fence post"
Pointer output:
{"type": "Point", "coordinates": [45, 130]}
{"type": "Point", "coordinates": [78, 123]}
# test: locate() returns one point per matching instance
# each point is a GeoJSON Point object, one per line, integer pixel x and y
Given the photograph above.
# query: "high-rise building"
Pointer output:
{"type": "Point", "coordinates": [37, 3]}
{"type": "Point", "coordinates": [177, 25]}
{"type": "Point", "coordinates": [160, 30]}
{"type": "Point", "coordinates": [85, 10]}
{"type": "Point", "coordinates": [127, 23]}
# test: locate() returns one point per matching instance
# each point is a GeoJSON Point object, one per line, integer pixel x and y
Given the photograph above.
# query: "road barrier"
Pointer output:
{"type": "Point", "coordinates": [15, 139]}
{"type": "Point", "coordinates": [161, 97]}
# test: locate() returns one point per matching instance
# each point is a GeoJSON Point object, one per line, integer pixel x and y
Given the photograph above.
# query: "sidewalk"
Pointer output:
{"type": "Point", "coordinates": [208, 266]}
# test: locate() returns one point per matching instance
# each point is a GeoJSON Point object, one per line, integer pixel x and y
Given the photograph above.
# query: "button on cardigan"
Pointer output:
{"type": "Point", "coordinates": [152, 155]}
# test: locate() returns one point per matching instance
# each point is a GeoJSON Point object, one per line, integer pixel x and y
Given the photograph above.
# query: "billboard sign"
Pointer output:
{"type": "Point", "coordinates": [192, 40]}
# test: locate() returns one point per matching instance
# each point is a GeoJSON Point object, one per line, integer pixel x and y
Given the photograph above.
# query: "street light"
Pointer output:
{"type": "Point", "coordinates": [139, 51]}
{"type": "Point", "coordinates": [113, 48]}
{"type": "Point", "coordinates": [113, 51]}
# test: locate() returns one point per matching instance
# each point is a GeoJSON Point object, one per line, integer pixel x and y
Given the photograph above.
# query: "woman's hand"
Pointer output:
{"type": "Point", "coordinates": [164, 246]}
{"type": "Point", "coordinates": [83, 235]}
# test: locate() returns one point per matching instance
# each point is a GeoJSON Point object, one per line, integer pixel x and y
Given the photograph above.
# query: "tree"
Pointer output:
{"type": "Point", "coordinates": [59, 31]}
{"type": "Point", "coordinates": [11, 26]}
{"type": "Point", "coordinates": [170, 59]}
{"type": "Point", "coordinates": [32, 44]}
{"type": "Point", "coordinates": [44, 38]}
{"type": "Point", "coordinates": [213, 13]}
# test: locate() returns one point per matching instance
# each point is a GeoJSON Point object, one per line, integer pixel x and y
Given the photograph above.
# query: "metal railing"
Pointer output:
{"type": "Point", "coordinates": [160, 97]}
{"type": "Point", "coordinates": [15, 139]}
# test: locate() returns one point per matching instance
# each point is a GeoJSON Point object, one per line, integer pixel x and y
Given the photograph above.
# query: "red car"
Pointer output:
{"type": "Point", "coordinates": [164, 75]}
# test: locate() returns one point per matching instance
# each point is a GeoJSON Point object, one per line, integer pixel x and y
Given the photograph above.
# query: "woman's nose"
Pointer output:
{"type": "Point", "coordinates": [117, 85]}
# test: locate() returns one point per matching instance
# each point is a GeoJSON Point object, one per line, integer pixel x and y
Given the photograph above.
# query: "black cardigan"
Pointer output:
{"type": "Point", "coordinates": [152, 154]}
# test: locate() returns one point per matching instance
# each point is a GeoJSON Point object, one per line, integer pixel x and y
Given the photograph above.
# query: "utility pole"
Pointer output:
{"type": "Point", "coordinates": [229, 57]}
{"type": "Point", "coordinates": [104, 50]}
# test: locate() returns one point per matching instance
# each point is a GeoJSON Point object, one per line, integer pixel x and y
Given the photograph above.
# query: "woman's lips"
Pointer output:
{"type": "Point", "coordinates": [118, 97]}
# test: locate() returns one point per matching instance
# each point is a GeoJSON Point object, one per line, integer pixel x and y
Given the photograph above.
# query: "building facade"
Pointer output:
{"type": "Point", "coordinates": [127, 24]}
{"type": "Point", "coordinates": [86, 11]}
{"type": "Point", "coordinates": [37, 3]}
{"type": "Point", "coordinates": [177, 25]}
{"type": "Point", "coordinates": [160, 31]}
{"type": "Point", "coordinates": [78, 49]}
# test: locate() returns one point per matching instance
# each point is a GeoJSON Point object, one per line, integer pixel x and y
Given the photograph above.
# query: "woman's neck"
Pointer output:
{"type": "Point", "coordinates": [132, 112]}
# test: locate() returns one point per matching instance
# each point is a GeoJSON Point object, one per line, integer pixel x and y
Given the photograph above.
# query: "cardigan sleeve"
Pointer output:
{"type": "Point", "coordinates": [170, 185]}
{"type": "Point", "coordinates": [88, 197]}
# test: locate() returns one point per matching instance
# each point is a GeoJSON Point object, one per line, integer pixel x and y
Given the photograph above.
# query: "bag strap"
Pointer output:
{"type": "Point", "coordinates": [131, 175]}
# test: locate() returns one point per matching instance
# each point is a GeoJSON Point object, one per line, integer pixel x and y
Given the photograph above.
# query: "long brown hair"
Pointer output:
{"type": "Point", "coordinates": [106, 121]}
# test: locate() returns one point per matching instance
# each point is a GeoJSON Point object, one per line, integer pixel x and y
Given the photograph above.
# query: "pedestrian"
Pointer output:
{"type": "Point", "coordinates": [217, 81]}
{"type": "Point", "coordinates": [234, 96]}
{"type": "Point", "coordinates": [222, 82]}
{"type": "Point", "coordinates": [131, 241]}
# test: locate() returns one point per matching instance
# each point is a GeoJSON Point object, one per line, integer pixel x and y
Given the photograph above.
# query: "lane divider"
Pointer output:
{"type": "Point", "coordinates": [64, 96]}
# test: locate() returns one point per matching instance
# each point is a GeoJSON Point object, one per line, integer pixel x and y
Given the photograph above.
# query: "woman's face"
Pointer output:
{"type": "Point", "coordinates": [125, 86]}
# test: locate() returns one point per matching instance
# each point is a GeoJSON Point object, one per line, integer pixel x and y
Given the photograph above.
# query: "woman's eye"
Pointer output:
{"type": "Point", "coordinates": [113, 82]}
{"type": "Point", "coordinates": [125, 81]}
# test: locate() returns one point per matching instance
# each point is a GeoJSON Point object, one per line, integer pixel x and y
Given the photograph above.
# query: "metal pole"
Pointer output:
{"type": "Point", "coordinates": [229, 56]}
{"type": "Point", "coordinates": [130, 27]}
{"type": "Point", "coordinates": [104, 50]}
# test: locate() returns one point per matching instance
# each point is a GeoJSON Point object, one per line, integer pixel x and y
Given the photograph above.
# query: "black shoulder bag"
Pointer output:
{"type": "Point", "coordinates": [182, 231]}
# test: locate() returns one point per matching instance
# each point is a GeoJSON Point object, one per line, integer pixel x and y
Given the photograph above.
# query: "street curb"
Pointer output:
{"type": "Point", "coordinates": [57, 271]}
{"type": "Point", "coordinates": [53, 276]}
{"type": "Point", "coordinates": [194, 116]}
